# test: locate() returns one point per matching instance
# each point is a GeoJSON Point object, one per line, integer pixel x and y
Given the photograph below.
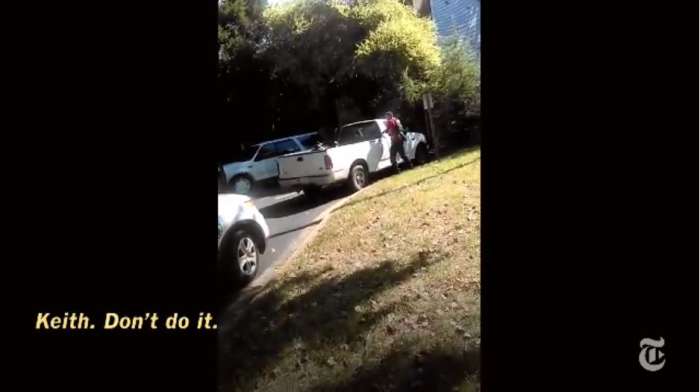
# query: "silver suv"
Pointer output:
{"type": "Point", "coordinates": [258, 163]}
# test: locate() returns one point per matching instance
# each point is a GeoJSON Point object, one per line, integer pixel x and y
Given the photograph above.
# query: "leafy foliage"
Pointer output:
{"type": "Point", "coordinates": [457, 77]}
{"type": "Point", "coordinates": [239, 26]}
{"type": "Point", "coordinates": [351, 52]}
{"type": "Point", "coordinates": [243, 82]}
{"type": "Point", "coordinates": [306, 64]}
{"type": "Point", "coordinates": [396, 35]}
{"type": "Point", "coordinates": [311, 45]}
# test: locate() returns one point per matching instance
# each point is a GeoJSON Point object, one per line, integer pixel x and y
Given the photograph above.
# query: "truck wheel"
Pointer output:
{"type": "Point", "coordinates": [421, 154]}
{"type": "Point", "coordinates": [359, 178]}
{"type": "Point", "coordinates": [242, 184]}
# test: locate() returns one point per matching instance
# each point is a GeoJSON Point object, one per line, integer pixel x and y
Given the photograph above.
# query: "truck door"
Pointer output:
{"type": "Point", "coordinates": [265, 165]}
{"type": "Point", "coordinates": [373, 135]}
{"type": "Point", "coordinates": [386, 145]}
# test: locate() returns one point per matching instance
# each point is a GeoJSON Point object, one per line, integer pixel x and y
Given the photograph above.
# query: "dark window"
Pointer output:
{"type": "Point", "coordinates": [241, 155]}
{"type": "Point", "coordinates": [308, 141]}
{"type": "Point", "coordinates": [349, 135]}
{"type": "Point", "coordinates": [266, 151]}
{"type": "Point", "coordinates": [358, 133]}
{"type": "Point", "coordinates": [372, 131]}
{"type": "Point", "coordinates": [285, 147]}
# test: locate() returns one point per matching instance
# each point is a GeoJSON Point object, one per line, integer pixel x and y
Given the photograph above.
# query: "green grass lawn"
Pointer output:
{"type": "Point", "coordinates": [386, 297]}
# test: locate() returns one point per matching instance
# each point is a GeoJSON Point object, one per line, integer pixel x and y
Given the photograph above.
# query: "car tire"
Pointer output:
{"type": "Point", "coordinates": [241, 257]}
{"type": "Point", "coordinates": [242, 184]}
{"type": "Point", "coordinates": [358, 177]}
{"type": "Point", "coordinates": [421, 156]}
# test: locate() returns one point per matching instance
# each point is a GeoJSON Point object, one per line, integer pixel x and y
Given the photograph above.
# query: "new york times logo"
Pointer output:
{"type": "Point", "coordinates": [651, 357]}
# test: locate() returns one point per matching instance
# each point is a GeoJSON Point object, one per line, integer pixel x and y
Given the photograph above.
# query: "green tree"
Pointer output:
{"type": "Point", "coordinates": [349, 56]}
{"type": "Point", "coordinates": [243, 80]}
{"type": "Point", "coordinates": [240, 27]}
{"type": "Point", "coordinates": [455, 89]}
{"type": "Point", "coordinates": [456, 78]}
{"type": "Point", "coordinates": [305, 64]}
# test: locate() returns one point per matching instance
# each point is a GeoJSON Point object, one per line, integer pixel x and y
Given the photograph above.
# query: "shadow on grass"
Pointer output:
{"type": "Point", "coordinates": [403, 371]}
{"type": "Point", "coordinates": [322, 318]}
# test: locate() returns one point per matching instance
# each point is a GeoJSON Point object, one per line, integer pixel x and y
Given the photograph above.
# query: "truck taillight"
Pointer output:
{"type": "Point", "coordinates": [329, 163]}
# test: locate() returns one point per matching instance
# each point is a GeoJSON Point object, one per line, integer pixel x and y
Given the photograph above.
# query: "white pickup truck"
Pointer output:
{"type": "Point", "coordinates": [360, 148]}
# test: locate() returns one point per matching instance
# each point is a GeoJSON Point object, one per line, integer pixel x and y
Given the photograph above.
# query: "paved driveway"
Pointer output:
{"type": "Point", "coordinates": [291, 216]}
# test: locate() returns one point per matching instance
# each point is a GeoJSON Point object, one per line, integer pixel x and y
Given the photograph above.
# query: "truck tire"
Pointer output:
{"type": "Point", "coordinates": [421, 156]}
{"type": "Point", "coordinates": [358, 177]}
{"type": "Point", "coordinates": [242, 184]}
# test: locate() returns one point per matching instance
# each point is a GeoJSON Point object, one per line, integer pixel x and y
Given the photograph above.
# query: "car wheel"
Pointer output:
{"type": "Point", "coordinates": [359, 178]}
{"type": "Point", "coordinates": [421, 154]}
{"type": "Point", "coordinates": [242, 185]}
{"type": "Point", "coordinates": [243, 256]}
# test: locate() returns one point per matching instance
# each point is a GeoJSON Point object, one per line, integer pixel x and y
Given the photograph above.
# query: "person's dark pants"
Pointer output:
{"type": "Point", "coordinates": [397, 148]}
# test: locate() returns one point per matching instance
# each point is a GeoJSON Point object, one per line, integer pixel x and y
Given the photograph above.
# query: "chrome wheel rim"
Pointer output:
{"type": "Point", "coordinates": [246, 254]}
{"type": "Point", "coordinates": [360, 177]}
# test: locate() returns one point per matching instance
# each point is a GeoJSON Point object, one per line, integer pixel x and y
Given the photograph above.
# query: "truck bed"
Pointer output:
{"type": "Point", "coordinates": [303, 164]}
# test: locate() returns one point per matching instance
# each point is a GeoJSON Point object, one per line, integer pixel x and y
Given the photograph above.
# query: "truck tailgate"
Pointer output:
{"type": "Point", "coordinates": [304, 164]}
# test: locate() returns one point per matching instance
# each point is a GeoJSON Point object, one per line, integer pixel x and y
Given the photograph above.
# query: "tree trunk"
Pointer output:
{"type": "Point", "coordinates": [435, 133]}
